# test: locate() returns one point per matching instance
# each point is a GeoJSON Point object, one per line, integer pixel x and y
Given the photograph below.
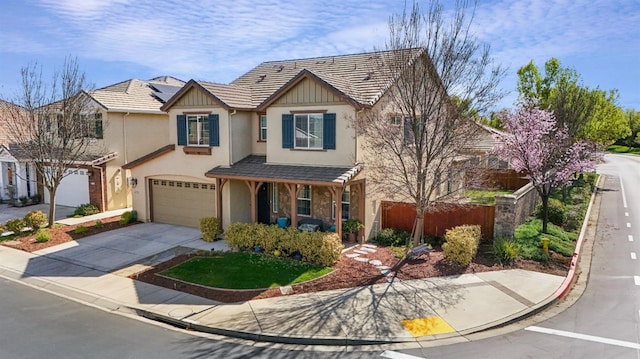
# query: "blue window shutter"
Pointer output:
{"type": "Point", "coordinates": [214, 130]}
{"type": "Point", "coordinates": [329, 131]}
{"type": "Point", "coordinates": [182, 130]}
{"type": "Point", "coordinates": [287, 130]}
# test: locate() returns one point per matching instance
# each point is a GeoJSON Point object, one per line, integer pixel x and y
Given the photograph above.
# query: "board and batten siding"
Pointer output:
{"type": "Point", "coordinates": [308, 92]}
{"type": "Point", "coordinates": [195, 98]}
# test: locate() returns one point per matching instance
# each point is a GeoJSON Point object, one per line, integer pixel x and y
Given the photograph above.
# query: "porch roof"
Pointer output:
{"type": "Point", "coordinates": [256, 168]}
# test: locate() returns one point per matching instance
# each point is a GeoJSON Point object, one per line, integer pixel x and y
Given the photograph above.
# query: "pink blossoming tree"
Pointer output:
{"type": "Point", "coordinates": [533, 144]}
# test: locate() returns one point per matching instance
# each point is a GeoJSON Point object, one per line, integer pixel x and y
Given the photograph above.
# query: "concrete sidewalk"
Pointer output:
{"type": "Point", "coordinates": [94, 272]}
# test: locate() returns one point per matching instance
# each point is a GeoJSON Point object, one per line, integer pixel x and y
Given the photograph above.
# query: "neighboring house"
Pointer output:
{"type": "Point", "coordinates": [125, 123]}
{"type": "Point", "coordinates": [17, 174]}
{"type": "Point", "coordinates": [275, 143]}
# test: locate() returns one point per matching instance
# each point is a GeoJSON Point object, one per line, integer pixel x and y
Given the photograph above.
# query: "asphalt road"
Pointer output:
{"type": "Point", "coordinates": [38, 325]}
{"type": "Point", "coordinates": [604, 322]}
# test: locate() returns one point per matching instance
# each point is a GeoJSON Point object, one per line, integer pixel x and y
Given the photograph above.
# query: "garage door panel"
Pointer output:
{"type": "Point", "coordinates": [182, 203]}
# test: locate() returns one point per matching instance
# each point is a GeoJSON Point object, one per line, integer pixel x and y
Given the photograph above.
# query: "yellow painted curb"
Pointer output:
{"type": "Point", "coordinates": [421, 327]}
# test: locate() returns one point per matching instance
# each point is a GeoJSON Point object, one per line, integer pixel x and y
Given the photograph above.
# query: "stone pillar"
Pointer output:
{"type": "Point", "coordinates": [505, 216]}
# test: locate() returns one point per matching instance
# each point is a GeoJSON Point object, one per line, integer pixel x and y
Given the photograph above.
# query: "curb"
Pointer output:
{"type": "Point", "coordinates": [279, 339]}
{"type": "Point", "coordinates": [569, 280]}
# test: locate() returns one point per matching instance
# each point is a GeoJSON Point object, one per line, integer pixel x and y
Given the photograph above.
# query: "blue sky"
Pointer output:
{"type": "Point", "coordinates": [218, 40]}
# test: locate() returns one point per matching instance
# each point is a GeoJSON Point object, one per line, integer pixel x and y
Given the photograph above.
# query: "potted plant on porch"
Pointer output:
{"type": "Point", "coordinates": [351, 227]}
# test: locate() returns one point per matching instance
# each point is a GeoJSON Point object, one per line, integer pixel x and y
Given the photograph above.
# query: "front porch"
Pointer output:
{"type": "Point", "coordinates": [298, 193]}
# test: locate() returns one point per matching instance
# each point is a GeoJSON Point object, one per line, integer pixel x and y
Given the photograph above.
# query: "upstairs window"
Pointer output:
{"type": "Point", "coordinates": [308, 131]}
{"type": "Point", "coordinates": [263, 127]}
{"type": "Point", "coordinates": [198, 130]}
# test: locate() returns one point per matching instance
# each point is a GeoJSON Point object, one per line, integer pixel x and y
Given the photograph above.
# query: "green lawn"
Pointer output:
{"type": "Point", "coordinates": [483, 197]}
{"type": "Point", "coordinates": [242, 270]}
{"type": "Point", "coordinates": [623, 149]}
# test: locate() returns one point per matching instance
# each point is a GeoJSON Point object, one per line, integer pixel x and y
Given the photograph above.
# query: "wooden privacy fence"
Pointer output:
{"type": "Point", "coordinates": [402, 215]}
{"type": "Point", "coordinates": [495, 179]}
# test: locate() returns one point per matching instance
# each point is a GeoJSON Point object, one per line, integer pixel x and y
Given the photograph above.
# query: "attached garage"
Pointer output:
{"type": "Point", "coordinates": [73, 190]}
{"type": "Point", "coordinates": [182, 203]}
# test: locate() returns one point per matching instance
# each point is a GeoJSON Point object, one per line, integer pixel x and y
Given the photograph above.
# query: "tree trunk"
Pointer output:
{"type": "Point", "coordinates": [545, 213]}
{"type": "Point", "coordinates": [52, 207]}
{"type": "Point", "coordinates": [418, 228]}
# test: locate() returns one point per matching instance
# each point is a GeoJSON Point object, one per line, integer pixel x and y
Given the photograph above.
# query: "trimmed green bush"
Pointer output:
{"type": "Point", "coordinates": [86, 209]}
{"type": "Point", "coordinates": [322, 248]}
{"type": "Point", "coordinates": [461, 244]}
{"type": "Point", "coordinates": [81, 230]}
{"type": "Point", "coordinates": [505, 251]}
{"type": "Point", "coordinates": [15, 225]}
{"type": "Point", "coordinates": [43, 236]}
{"type": "Point", "coordinates": [128, 217]}
{"type": "Point", "coordinates": [210, 228]}
{"type": "Point", "coordinates": [555, 210]}
{"type": "Point", "coordinates": [35, 220]}
{"type": "Point", "coordinates": [390, 237]}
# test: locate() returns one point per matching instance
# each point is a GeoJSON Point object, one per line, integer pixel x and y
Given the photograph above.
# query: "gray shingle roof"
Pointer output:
{"type": "Point", "coordinates": [359, 75]}
{"type": "Point", "coordinates": [133, 95]}
{"type": "Point", "coordinates": [256, 167]}
{"type": "Point", "coordinates": [232, 95]}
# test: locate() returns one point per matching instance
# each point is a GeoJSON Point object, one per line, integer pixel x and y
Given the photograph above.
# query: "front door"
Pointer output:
{"type": "Point", "coordinates": [263, 204]}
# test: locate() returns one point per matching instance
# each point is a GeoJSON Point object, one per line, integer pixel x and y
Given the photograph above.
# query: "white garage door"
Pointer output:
{"type": "Point", "coordinates": [73, 189]}
{"type": "Point", "coordinates": [182, 203]}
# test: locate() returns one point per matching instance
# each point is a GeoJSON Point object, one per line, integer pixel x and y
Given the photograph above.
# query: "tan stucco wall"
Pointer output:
{"type": "Point", "coordinates": [343, 155]}
{"type": "Point", "coordinates": [236, 203]}
{"type": "Point", "coordinates": [258, 147]}
{"type": "Point", "coordinates": [241, 141]}
{"type": "Point", "coordinates": [131, 135]}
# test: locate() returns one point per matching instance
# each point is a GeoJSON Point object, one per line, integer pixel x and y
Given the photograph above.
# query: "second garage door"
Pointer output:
{"type": "Point", "coordinates": [182, 203]}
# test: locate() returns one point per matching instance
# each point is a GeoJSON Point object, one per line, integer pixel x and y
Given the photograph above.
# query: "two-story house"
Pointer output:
{"type": "Point", "coordinates": [278, 142]}
{"type": "Point", "coordinates": [123, 121]}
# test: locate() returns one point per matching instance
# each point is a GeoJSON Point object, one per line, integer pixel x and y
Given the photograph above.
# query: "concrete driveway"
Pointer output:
{"type": "Point", "coordinates": [7, 212]}
{"type": "Point", "coordinates": [142, 244]}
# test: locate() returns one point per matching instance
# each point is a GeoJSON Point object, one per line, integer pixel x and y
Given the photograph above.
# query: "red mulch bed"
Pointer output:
{"type": "Point", "coordinates": [350, 273]}
{"type": "Point", "coordinates": [65, 234]}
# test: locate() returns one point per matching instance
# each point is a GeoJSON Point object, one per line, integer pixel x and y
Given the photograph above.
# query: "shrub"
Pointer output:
{"type": "Point", "coordinates": [210, 228]}
{"type": "Point", "coordinates": [505, 251]}
{"type": "Point", "coordinates": [555, 210]}
{"type": "Point", "coordinates": [461, 244]}
{"type": "Point", "coordinates": [572, 220]}
{"type": "Point", "coordinates": [43, 236]}
{"type": "Point", "coordinates": [390, 237]}
{"type": "Point", "coordinates": [15, 225]}
{"type": "Point", "coordinates": [1, 228]}
{"type": "Point", "coordinates": [128, 217]}
{"type": "Point", "coordinates": [86, 209]}
{"type": "Point", "coordinates": [322, 248]}
{"type": "Point", "coordinates": [81, 230]}
{"type": "Point", "coordinates": [98, 224]}
{"type": "Point", "coordinates": [35, 220]}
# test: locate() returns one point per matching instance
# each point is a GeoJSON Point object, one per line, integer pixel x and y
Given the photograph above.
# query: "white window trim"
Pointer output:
{"type": "Point", "coordinates": [305, 199]}
{"type": "Point", "coordinates": [262, 127]}
{"type": "Point", "coordinates": [198, 130]}
{"type": "Point", "coordinates": [274, 197]}
{"type": "Point", "coordinates": [342, 202]}
{"type": "Point", "coordinates": [295, 139]}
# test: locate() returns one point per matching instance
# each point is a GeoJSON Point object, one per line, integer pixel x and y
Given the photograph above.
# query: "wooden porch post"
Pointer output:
{"type": "Point", "coordinates": [253, 190]}
{"type": "Point", "coordinates": [294, 189]}
{"type": "Point", "coordinates": [219, 184]}
{"type": "Point", "coordinates": [361, 204]}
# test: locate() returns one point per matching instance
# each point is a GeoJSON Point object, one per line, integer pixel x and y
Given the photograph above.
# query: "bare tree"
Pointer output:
{"type": "Point", "coordinates": [51, 126]}
{"type": "Point", "coordinates": [412, 153]}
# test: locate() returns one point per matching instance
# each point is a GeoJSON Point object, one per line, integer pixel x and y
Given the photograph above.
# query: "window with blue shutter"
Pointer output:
{"type": "Point", "coordinates": [329, 131]}
{"type": "Point", "coordinates": [182, 130]}
{"type": "Point", "coordinates": [287, 130]}
{"type": "Point", "coordinates": [214, 130]}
